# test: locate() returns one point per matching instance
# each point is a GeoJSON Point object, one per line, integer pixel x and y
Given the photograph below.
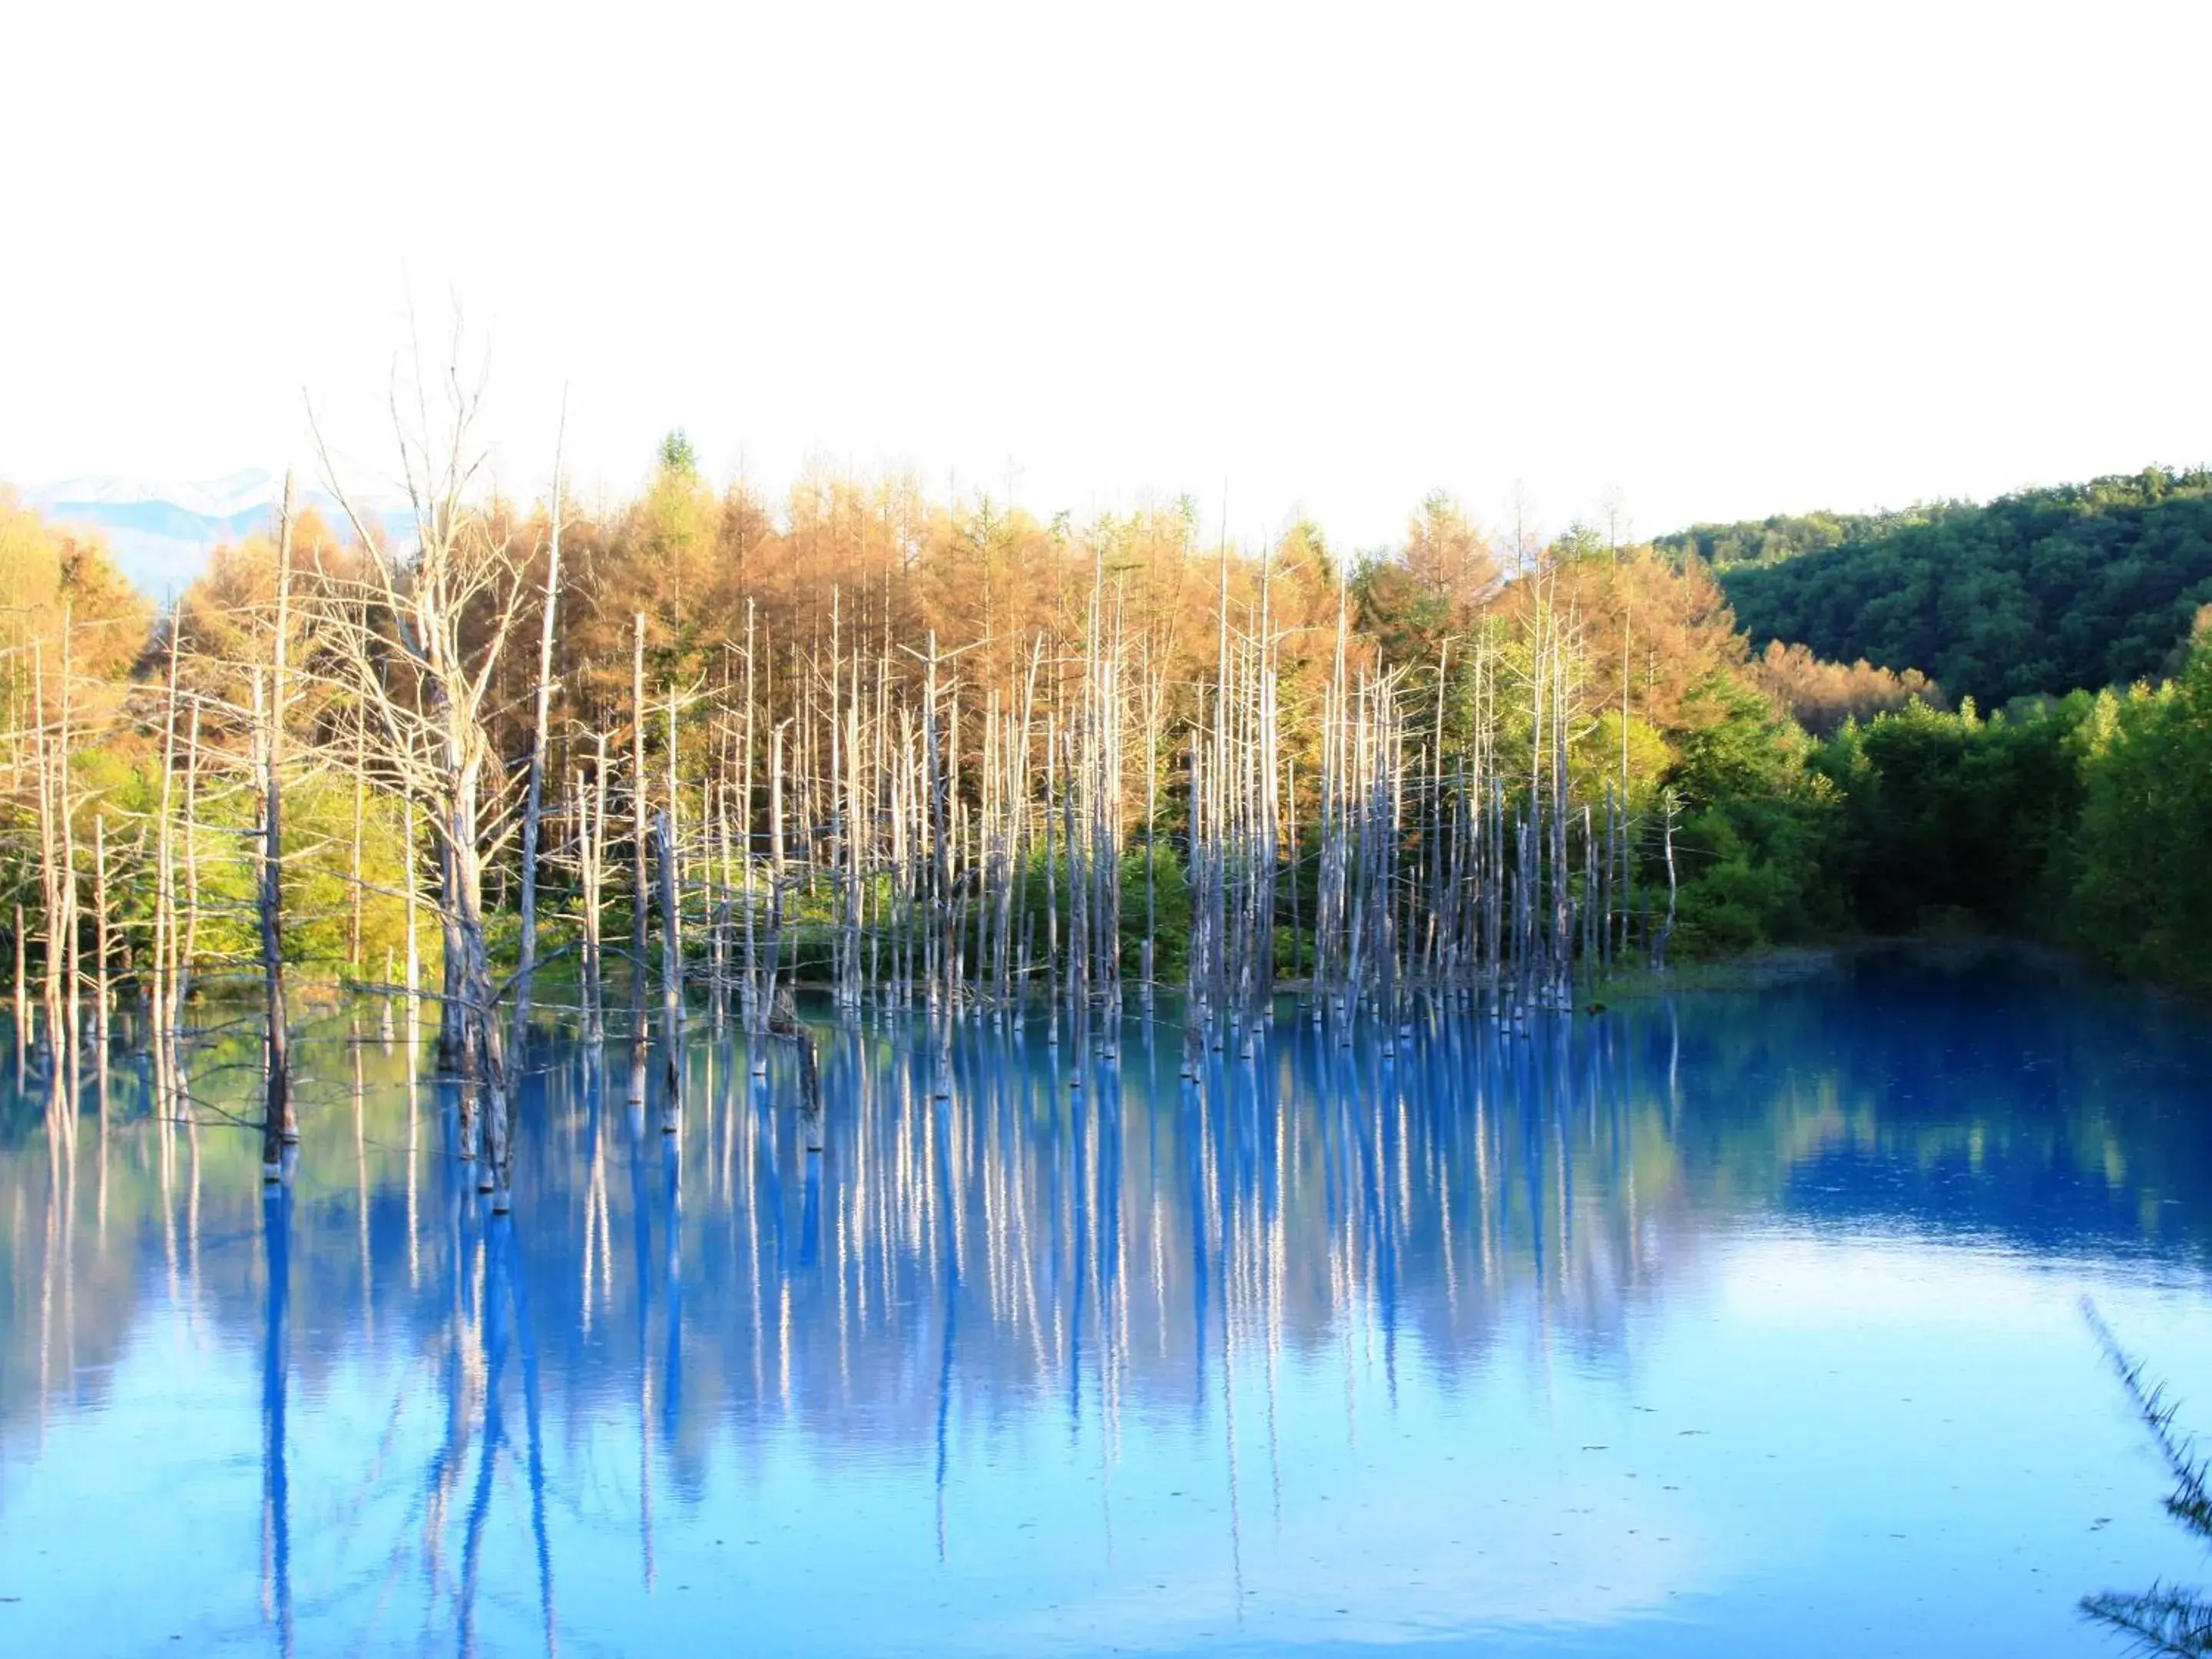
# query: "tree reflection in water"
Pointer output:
{"type": "Point", "coordinates": [2166, 1618]}
{"type": "Point", "coordinates": [275, 1383]}
{"type": "Point", "coordinates": [1172, 1317]}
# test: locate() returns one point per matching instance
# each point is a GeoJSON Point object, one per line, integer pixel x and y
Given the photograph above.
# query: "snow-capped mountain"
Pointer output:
{"type": "Point", "coordinates": [162, 531]}
{"type": "Point", "coordinates": [213, 498]}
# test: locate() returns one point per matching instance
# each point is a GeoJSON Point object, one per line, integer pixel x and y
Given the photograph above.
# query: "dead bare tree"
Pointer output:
{"type": "Point", "coordinates": [420, 645]}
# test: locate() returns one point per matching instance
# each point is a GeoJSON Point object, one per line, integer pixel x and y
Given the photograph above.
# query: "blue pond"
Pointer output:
{"type": "Point", "coordinates": [1743, 1322]}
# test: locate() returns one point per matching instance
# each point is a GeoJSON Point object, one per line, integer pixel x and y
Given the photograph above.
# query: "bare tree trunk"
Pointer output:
{"type": "Point", "coordinates": [159, 1007]}
{"type": "Point", "coordinates": [765, 999]}
{"type": "Point", "coordinates": [675, 814]}
{"type": "Point", "coordinates": [72, 944]}
{"type": "Point", "coordinates": [852, 828]}
{"type": "Point", "coordinates": [640, 893]}
{"type": "Point", "coordinates": [754, 1013]}
{"type": "Point", "coordinates": [714, 826]}
{"type": "Point", "coordinates": [672, 974]}
{"type": "Point", "coordinates": [49, 890]}
{"type": "Point", "coordinates": [944, 989]}
{"type": "Point", "coordinates": [188, 957]}
{"type": "Point", "coordinates": [533, 800]}
{"type": "Point", "coordinates": [100, 922]}
{"type": "Point", "coordinates": [22, 997]}
{"type": "Point", "coordinates": [455, 1053]}
{"type": "Point", "coordinates": [1291, 838]}
{"type": "Point", "coordinates": [1051, 867]}
{"type": "Point", "coordinates": [411, 856]}
{"type": "Point", "coordinates": [360, 816]}
{"type": "Point", "coordinates": [783, 1022]}
{"type": "Point", "coordinates": [595, 853]}
{"type": "Point", "coordinates": [279, 1125]}
{"type": "Point", "coordinates": [587, 895]}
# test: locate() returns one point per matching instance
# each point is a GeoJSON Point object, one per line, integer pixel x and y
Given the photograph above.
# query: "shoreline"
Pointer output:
{"type": "Point", "coordinates": [1760, 970]}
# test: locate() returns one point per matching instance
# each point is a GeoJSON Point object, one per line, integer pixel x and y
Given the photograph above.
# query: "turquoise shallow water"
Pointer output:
{"type": "Point", "coordinates": [1744, 1323]}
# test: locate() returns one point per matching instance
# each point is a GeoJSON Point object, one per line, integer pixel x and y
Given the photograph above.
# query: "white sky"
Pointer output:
{"type": "Point", "coordinates": [1729, 260]}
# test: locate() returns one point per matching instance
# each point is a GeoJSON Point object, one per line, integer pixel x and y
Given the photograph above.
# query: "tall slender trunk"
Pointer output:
{"type": "Point", "coordinates": [754, 1012]}
{"type": "Point", "coordinates": [410, 864]}
{"type": "Point", "coordinates": [534, 790]}
{"type": "Point", "coordinates": [188, 955]}
{"type": "Point", "coordinates": [50, 890]}
{"type": "Point", "coordinates": [100, 920]}
{"type": "Point", "coordinates": [671, 973]}
{"type": "Point", "coordinates": [22, 996]}
{"type": "Point", "coordinates": [592, 858]}
{"type": "Point", "coordinates": [159, 1009]}
{"type": "Point", "coordinates": [279, 1125]}
{"type": "Point", "coordinates": [359, 815]}
{"type": "Point", "coordinates": [640, 893]}
{"type": "Point", "coordinates": [72, 975]}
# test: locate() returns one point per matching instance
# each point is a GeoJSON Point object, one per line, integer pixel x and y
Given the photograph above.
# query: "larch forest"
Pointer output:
{"type": "Point", "coordinates": [690, 758]}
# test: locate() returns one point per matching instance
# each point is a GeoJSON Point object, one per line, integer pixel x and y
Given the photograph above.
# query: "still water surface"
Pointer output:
{"type": "Point", "coordinates": [1745, 1323]}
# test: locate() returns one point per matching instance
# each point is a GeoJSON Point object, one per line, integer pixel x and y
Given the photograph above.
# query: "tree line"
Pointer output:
{"type": "Point", "coordinates": [1783, 536]}
{"type": "Point", "coordinates": [2076, 820]}
{"type": "Point", "coordinates": [632, 766]}
{"type": "Point", "coordinates": [937, 756]}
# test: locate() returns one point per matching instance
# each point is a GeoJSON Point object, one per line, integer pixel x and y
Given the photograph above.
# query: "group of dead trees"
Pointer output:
{"type": "Point", "coordinates": [1073, 818]}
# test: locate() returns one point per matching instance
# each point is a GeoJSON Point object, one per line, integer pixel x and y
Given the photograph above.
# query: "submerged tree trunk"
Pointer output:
{"type": "Point", "coordinates": [279, 1125]}
{"type": "Point", "coordinates": [592, 856]}
{"type": "Point", "coordinates": [672, 974]}
{"type": "Point", "coordinates": [22, 994]}
{"type": "Point", "coordinates": [640, 894]}
{"type": "Point", "coordinates": [101, 989]}
{"type": "Point", "coordinates": [187, 958]}
{"type": "Point", "coordinates": [411, 857]}
{"type": "Point", "coordinates": [783, 1022]}
{"type": "Point", "coordinates": [534, 790]}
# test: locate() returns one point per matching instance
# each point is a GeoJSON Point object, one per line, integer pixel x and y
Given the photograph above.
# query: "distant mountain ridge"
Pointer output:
{"type": "Point", "coordinates": [225, 497]}
{"type": "Point", "coordinates": [161, 531]}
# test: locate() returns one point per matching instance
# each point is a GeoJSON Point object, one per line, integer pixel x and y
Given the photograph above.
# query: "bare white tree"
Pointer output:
{"type": "Point", "coordinates": [419, 644]}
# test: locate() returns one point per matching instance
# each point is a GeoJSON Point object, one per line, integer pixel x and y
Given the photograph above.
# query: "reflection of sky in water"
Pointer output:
{"type": "Point", "coordinates": [1749, 1325]}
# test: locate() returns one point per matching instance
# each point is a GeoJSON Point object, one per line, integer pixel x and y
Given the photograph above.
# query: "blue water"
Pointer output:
{"type": "Point", "coordinates": [1740, 1323]}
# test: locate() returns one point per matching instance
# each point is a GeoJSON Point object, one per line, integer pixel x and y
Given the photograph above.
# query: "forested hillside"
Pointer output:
{"type": "Point", "coordinates": [2045, 592]}
{"type": "Point", "coordinates": [1785, 535]}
